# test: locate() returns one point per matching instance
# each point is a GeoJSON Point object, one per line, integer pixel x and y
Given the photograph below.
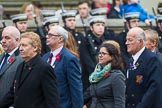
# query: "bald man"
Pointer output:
{"type": "Point", "coordinates": [10, 59]}
{"type": "Point", "coordinates": [143, 74]}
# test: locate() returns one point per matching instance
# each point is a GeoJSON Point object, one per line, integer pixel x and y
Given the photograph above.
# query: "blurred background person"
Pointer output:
{"type": "Point", "coordinates": [83, 12]}
{"type": "Point", "coordinates": [96, 35]}
{"type": "Point", "coordinates": [107, 89]}
{"type": "Point", "coordinates": [134, 6]}
{"type": "Point", "coordinates": [158, 28]}
{"type": "Point", "coordinates": [1, 49]}
{"type": "Point", "coordinates": [69, 21]}
{"type": "Point", "coordinates": [130, 20]}
{"type": "Point", "coordinates": [101, 4]}
{"type": "Point", "coordinates": [115, 9]}
{"type": "Point", "coordinates": [20, 22]}
{"type": "Point", "coordinates": [70, 44]}
{"type": "Point", "coordinates": [152, 41]}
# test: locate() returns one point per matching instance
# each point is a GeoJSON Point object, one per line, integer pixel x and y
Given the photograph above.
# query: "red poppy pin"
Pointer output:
{"type": "Point", "coordinates": [106, 74]}
{"type": "Point", "coordinates": [58, 57]}
{"type": "Point", "coordinates": [10, 60]}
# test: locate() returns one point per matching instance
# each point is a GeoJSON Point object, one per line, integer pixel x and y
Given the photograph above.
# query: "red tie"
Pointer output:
{"type": "Point", "coordinates": [50, 58]}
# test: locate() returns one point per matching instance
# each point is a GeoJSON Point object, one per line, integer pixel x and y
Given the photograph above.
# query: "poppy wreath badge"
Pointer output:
{"type": "Point", "coordinates": [10, 60]}
{"type": "Point", "coordinates": [57, 57]}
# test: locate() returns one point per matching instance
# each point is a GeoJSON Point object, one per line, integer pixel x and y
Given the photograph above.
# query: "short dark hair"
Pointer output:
{"type": "Point", "coordinates": [83, 1]}
{"type": "Point", "coordinates": [116, 56]}
{"type": "Point", "coordinates": [159, 6]}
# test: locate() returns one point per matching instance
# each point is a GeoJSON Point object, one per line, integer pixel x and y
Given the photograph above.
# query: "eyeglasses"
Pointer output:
{"type": "Point", "coordinates": [102, 54]}
{"type": "Point", "coordinates": [134, 21]}
{"type": "Point", "coordinates": [50, 34]}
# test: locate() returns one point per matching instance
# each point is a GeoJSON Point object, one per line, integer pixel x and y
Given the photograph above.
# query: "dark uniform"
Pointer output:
{"type": "Point", "coordinates": [88, 54]}
{"type": "Point", "coordinates": [79, 37]}
{"type": "Point", "coordinates": [160, 38]}
{"type": "Point", "coordinates": [121, 37]}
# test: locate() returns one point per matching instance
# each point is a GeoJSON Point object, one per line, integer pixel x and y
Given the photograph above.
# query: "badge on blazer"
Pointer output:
{"type": "Point", "coordinates": [139, 79]}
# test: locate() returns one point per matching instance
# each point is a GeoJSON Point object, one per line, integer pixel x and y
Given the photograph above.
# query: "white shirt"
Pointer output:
{"type": "Point", "coordinates": [135, 58]}
{"type": "Point", "coordinates": [57, 51]}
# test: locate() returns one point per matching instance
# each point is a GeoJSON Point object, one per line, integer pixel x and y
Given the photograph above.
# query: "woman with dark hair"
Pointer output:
{"type": "Point", "coordinates": [107, 89]}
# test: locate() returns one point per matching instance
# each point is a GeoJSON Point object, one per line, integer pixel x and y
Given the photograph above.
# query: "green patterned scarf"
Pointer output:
{"type": "Point", "coordinates": [99, 73]}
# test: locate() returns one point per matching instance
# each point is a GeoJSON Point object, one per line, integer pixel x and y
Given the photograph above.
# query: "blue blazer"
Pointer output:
{"type": "Point", "coordinates": [144, 82]}
{"type": "Point", "coordinates": [68, 75]}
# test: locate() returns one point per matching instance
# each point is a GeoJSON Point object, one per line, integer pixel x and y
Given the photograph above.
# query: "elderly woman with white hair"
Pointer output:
{"type": "Point", "coordinates": [66, 67]}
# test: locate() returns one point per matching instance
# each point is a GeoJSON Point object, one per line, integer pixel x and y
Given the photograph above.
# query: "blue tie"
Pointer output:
{"type": "Point", "coordinates": [4, 61]}
{"type": "Point", "coordinates": [131, 63]}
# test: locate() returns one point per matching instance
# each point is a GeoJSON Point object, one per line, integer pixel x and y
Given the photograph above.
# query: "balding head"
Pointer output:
{"type": "Point", "coordinates": [135, 40]}
{"type": "Point", "coordinates": [12, 30]}
{"type": "Point", "coordinates": [10, 38]}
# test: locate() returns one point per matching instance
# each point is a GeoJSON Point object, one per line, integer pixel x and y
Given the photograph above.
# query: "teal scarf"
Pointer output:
{"type": "Point", "coordinates": [99, 73]}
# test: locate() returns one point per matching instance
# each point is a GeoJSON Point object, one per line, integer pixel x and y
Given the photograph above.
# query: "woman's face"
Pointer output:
{"type": "Point", "coordinates": [29, 11]}
{"type": "Point", "coordinates": [103, 56]}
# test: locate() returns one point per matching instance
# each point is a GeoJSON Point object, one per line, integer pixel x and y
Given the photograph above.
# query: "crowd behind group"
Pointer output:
{"type": "Point", "coordinates": [58, 67]}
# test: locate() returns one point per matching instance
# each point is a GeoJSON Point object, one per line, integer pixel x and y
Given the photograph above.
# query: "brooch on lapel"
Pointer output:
{"type": "Point", "coordinates": [139, 79]}
{"type": "Point", "coordinates": [135, 65]}
{"type": "Point", "coordinates": [57, 57]}
{"type": "Point", "coordinates": [10, 60]}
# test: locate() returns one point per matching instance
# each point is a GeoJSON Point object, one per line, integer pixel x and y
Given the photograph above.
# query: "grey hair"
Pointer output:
{"type": "Point", "coordinates": [61, 31]}
{"type": "Point", "coordinates": [141, 35]}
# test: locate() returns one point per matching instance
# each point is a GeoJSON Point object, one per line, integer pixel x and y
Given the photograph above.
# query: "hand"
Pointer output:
{"type": "Point", "coordinates": [147, 22]}
{"type": "Point", "coordinates": [84, 106]}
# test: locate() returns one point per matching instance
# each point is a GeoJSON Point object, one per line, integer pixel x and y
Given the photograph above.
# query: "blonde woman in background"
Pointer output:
{"type": "Point", "coordinates": [1, 49]}
{"type": "Point", "coordinates": [70, 44]}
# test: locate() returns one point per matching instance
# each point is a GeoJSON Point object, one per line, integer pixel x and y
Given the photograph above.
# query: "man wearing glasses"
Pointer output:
{"type": "Point", "coordinates": [66, 67]}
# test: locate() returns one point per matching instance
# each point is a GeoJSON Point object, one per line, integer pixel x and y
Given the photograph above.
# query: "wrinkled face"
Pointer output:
{"type": "Point", "coordinates": [103, 56]}
{"type": "Point", "coordinates": [22, 26]}
{"type": "Point", "coordinates": [53, 38]}
{"type": "Point", "coordinates": [134, 23]}
{"type": "Point", "coordinates": [70, 22]}
{"type": "Point", "coordinates": [27, 51]}
{"type": "Point", "coordinates": [98, 29]}
{"type": "Point", "coordinates": [29, 11]}
{"type": "Point", "coordinates": [132, 43]}
{"type": "Point", "coordinates": [83, 10]}
{"type": "Point", "coordinates": [8, 41]}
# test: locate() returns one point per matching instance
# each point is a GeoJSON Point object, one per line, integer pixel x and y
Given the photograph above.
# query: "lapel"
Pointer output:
{"type": "Point", "coordinates": [30, 67]}
{"type": "Point", "coordinates": [8, 63]}
{"type": "Point", "coordinates": [61, 53]}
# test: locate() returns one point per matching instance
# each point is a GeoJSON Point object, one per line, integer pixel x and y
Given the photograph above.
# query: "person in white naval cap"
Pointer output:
{"type": "Point", "coordinates": [95, 37]}
{"type": "Point", "coordinates": [66, 67]}
{"type": "Point", "coordinates": [50, 21]}
{"type": "Point", "coordinates": [131, 20]}
{"type": "Point", "coordinates": [69, 21]}
{"type": "Point", "coordinates": [158, 28]}
{"type": "Point", "coordinates": [20, 22]}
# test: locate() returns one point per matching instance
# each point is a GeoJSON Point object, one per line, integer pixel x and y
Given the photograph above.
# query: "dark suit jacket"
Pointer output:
{"type": "Point", "coordinates": [68, 75]}
{"type": "Point", "coordinates": [144, 82]}
{"type": "Point", "coordinates": [8, 72]}
{"type": "Point", "coordinates": [37, 89]}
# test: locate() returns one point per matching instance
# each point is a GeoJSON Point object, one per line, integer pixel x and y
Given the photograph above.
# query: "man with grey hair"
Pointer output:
{"type": "Point", "coordinates": [143, 73]}
{"type": "Point", "coordinates": [10, 59]}
{"type": "Point", "coordinates": [66, 67]}
{"type": "Point", "coordinates": [152, 40]}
